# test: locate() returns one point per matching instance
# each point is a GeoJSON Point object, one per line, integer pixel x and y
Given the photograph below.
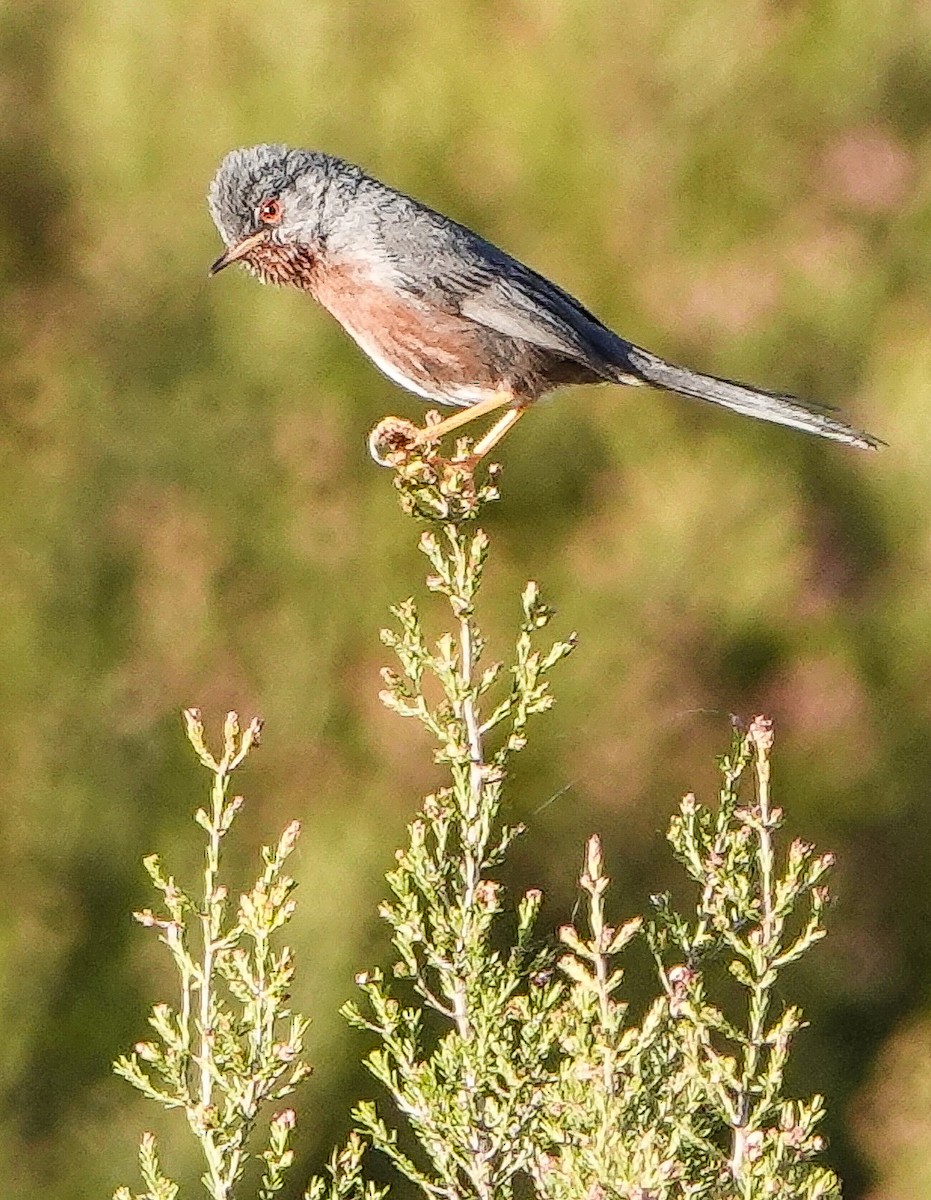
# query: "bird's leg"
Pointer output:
{"type": "Point", "coordinates": [433, 433]}
{"type": "Point", "coordinates": [495, 434]}
{"type": "Point", "coordinates": [395, 437]}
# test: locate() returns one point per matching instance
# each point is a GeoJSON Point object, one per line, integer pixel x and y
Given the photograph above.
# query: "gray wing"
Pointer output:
{"type": "Point", "coordinates": [453, 268]}
{"type": "Point", "coordinates": [524, 305]}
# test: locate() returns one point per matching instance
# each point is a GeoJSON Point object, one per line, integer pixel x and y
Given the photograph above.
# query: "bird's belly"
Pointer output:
{"type": "Point", "coordinates": [432, 353]}
{"type": "Point", "coordinates": [421, 368]}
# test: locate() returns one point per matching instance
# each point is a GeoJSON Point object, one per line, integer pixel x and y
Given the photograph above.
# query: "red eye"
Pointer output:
{"type": "Point", "coordinates": [270, 212]}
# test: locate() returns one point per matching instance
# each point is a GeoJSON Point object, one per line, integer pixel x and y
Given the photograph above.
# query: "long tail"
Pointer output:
{"type": "Point", "coordinates": [752, 401]}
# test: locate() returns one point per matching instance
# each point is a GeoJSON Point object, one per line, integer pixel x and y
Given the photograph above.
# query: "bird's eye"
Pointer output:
{"type": "Point", "coordinates": [270, 212]}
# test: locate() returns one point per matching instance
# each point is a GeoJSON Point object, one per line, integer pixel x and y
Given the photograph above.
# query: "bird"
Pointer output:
{"type": "Point", "coordinates": [442, 312]}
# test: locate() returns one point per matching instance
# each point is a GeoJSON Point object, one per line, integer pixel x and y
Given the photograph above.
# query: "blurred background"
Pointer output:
{"type": "Point", "coordinates": [189, 514]}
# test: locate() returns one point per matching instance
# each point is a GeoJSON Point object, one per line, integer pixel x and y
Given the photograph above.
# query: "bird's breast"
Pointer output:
{"type": "Point", "coordinates": [428, 350]}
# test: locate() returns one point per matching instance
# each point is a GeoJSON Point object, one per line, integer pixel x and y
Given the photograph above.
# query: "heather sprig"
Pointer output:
{"type": "Point", "coordinates": [229, 1045]}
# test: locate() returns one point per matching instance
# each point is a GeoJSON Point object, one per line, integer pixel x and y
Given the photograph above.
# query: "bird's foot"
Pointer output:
{"type": "Point", "coordinates": [438, 487]}
{"type": "Point", "coordinates": [396, 442]}
{"type": "Point", "coordinates": [393, 441]}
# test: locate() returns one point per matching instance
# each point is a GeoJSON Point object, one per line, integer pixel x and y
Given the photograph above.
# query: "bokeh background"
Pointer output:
{"type": "Point", "coordinates": [189, 514]}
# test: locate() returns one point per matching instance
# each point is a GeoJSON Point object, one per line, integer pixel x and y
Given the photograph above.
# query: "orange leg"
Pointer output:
{"type": "Point", "coordinates": [495, 434]}
{"type": "Point", "coordinates": [433, 433]}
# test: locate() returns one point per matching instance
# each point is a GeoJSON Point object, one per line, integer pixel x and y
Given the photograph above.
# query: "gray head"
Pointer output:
{"type": "Point", "coordinates": [268, 203]}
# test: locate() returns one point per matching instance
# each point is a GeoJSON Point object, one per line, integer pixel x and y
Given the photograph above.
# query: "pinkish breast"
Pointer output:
{"type": "Point", "coordinates": [436, 354]}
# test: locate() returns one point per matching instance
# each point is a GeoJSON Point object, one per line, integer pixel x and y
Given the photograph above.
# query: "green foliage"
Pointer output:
{"type": "Point", "coordinates": [472, 1100]}
{"type": "Point", "coordinates": [231, 1044]}
{"type": "Point", "coordinates": [503, 1061]}
{"type": "Point", "coordinates": [507, 1063]}
{"type": "Point", "coordinates": [689, 1101]}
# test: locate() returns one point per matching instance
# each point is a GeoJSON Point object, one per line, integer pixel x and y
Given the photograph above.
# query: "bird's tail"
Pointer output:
{"type": "Point", "coordinates": [751, 401]}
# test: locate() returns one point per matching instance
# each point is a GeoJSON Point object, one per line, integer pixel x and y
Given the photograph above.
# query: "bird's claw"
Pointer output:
{"type": "Point", "coordinates": [432, 486]}
{"type": "Point", "coordinates": [396, 442]}
{"type": "Point", "coordinates": [393, 441]}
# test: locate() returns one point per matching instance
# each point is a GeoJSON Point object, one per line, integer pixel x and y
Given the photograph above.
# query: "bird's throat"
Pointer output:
{"type": "Point", "coordinates": [287, 266]}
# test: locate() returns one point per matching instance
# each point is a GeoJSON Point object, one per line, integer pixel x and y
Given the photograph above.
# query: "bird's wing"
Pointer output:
{"type": "Point", "coordinates": [520, 303]}
{"type": "Point", "coordinates": [467, 275]}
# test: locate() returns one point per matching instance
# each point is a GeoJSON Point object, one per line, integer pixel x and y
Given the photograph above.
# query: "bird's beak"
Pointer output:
{"type": "Point", "coordinates": [240, 250]}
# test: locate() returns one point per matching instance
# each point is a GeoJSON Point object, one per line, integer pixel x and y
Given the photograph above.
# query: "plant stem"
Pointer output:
{"type": "Point", "coordinates": [472, 843]}
{"type": "Point", "coordinates": [208, 922]}
{"type": "Point", "coordinates": [759, 737]}
{"type": "Point", "coordinates": [766, 845]}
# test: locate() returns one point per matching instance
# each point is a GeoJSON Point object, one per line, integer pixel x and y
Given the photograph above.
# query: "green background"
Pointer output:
{"type": "Point", "coordinates": [189, 515]}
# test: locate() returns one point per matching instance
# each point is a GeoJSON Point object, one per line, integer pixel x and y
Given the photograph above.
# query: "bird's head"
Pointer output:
{"type": "Point", "coordinates": [266, 202]}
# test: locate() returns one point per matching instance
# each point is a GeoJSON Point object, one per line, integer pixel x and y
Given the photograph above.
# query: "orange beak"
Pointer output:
{"type": "Point", "coordinates": [240, 250]}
